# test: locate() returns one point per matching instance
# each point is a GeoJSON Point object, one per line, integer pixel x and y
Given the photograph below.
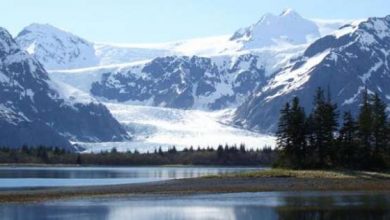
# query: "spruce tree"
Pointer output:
{"type": "Point", "coordinates": [283, 140]}
{"type": "Point", "coordinates": [379, 131]}
{"type": "Point", "coordinates": [379, 123]}
{"type": "Point", "coordinates": [365, 125]}
{"type": "Point", "coordinates": [324, 118]}
{"type": "Point", "coordinates": [311, 154]}
{"type": "Point", "coordinates": [297, 132]}
{"type": "Point", "coordinates": [291, 135]}
{"type": "Point", "coordinates": [347, 141]}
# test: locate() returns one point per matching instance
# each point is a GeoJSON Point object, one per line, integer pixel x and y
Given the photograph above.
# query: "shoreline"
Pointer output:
{"type": "Point", "coordinates": [38, 165]}
{"type": "Point", "coordinates": [204, 185]}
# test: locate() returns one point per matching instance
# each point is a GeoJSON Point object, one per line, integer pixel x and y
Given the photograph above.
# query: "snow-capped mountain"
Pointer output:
{"type": "Point", "coordinates": [224, 76]}
{"type": "Point", "coordinates": [35, 110]}
{"type": "Point", "coordinates": [56, 48]}
{"type": "Point", "coordinates": [271, 30]}
{"type": "Point", "coordinates": [351, 59]}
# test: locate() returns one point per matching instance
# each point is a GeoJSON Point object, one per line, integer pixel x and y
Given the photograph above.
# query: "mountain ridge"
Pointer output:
{"type": "Point", "coordinates": [351, 59]}
{"type": "Point", "coordinates": [34, 112]}
{"type": "Point", "coordinates": [88, 54]}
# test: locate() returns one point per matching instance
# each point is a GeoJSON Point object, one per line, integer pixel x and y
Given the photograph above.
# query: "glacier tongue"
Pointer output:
{"type": "Point", "coordinates": [165, 127]}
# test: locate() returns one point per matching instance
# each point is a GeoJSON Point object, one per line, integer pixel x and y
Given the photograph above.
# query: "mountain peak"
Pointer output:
{"type": "Point", "coordinates": [6, 41]}
{"type": "Point", "coordinates": [289, 27]}
{"type": "Point", "coordinates": [4, 33]}
{"type": "Point", "coordinates": [289, 12]}
{"type": "Point", "coordinates": [41, 28]}
{"type": "Point", "coordinates": [56, 48]}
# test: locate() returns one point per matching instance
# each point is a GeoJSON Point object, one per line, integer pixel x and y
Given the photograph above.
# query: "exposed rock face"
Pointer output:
{"type": "Point", "coordinates": [37, 111]}
{"type": "Point", "coordinates": [184, 82]}
{"type": "Point", "coordinates": [353, 58]}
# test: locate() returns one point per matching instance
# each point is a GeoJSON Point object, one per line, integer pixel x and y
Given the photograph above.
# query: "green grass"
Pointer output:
{"type": "Point", "coordinates": [286, 173]}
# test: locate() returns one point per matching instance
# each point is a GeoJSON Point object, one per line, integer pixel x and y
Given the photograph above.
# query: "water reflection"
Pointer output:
{"type": "Point", "coordinates": [84, 176]}
{"type": "Point", "coordinates": [270, 205]}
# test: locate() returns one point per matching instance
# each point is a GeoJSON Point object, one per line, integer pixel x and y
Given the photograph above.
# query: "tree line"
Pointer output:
{"type": "Point", "coordinates": [318, 140]}
{"type": "Point", "coordinates": [222, 156]}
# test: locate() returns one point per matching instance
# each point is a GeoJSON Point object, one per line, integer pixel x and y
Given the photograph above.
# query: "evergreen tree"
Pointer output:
{"type": "Point", "coordinates": [297, 131]}
{"type": "Point", "coordinates": [242, 148]}
{"type": "Point", "coordinates": [78, 159]}
{"type": "Point", "coordinates": [365, 127]}
{"type": "Point", "coordinates": [324, 117]}
{"type": "Point", "coordinates": [387, 150]}
{"type": "Point", "coordinates": [282, 134]}
{"type": "Point", "coordinates": [160, 151]}
{"type": "Point", "coordinates": [291, 135]}
{"type": "Point", "coordinates": [380, 131]}
{"type": "Point", "coordinates": [220, 151]}
{"type": "Point", "coordinates": [311, 153]}
{"type": "Point", "coordinates": [347, 141]}
{"type": "Point", "coordinates": [379, 123]}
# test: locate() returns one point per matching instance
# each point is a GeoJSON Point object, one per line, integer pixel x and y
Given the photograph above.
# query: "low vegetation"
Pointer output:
{"type": "Point", "coordinates": [341, 174]}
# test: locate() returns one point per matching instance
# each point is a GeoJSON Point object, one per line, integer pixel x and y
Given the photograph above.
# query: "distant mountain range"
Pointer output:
{"type": "Point", "coordinates": [254, 70]}
{"type": "Point", "coordinates": [220, 72]}
{"type": "Point", "coordinates": [59, 49]}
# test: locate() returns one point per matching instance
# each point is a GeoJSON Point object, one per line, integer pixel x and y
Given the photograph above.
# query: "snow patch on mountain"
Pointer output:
{"type": "Point", "coordinates": [83, 78]}
{"type": "Point", "coordinates": [109, 54]}
{"type": "Point", "coordinates": [70, 95]}
{"type": "Point", "coordinates": [294, 77]}
{"type": "Point", "coordinates": [326, 27]}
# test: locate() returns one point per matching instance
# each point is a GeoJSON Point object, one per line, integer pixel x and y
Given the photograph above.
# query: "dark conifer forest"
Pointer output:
{"type": "Point", "coordinates": [326, 138]}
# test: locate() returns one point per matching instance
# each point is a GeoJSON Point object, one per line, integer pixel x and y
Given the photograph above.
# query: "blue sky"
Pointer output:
{"type": "Point", "coordinates": [143, 21]}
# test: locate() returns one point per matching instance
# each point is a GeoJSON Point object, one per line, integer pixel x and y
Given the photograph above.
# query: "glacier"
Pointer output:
{"type": "Point", "coordinates": [154, 127]}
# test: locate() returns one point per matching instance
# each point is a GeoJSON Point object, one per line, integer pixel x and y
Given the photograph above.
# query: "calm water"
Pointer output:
{"type": "Point", "coordinates": [20, 177]}
{"type": "Point", "coordinates": [246, 206]}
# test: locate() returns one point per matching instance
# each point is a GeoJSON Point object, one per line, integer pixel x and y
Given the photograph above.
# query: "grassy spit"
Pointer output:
{"type": "Point", "coordinates": [286, 173]}
{"type": "Point", "coordinates": [257, 181]}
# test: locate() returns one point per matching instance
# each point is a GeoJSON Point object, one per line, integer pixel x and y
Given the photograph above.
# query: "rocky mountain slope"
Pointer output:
{"type": "Point", "coordinates": [183, 82]}
{"type": "Point", "coordinates": [353, 58]}
{"type": "Point", "coordinates": [35, 110]}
